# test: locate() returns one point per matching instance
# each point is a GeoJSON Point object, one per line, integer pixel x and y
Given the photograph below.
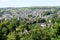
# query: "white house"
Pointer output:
{"type": "Point", "coordinates": [43, 24]}
{"type": "Point", "coordinates": [7, 16]}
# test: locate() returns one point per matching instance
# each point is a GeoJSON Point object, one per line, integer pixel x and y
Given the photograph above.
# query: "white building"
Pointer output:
{"type": "Point", "coordinates": [7, 16]}
{"type": "Point", "coordinates": [43, 24]}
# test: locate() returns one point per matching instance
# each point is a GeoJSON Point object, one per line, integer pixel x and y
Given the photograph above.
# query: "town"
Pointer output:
{"type": "Point", "coordinates": [7, 13]}
{"type": "Point", "coordinates": [25, 23]}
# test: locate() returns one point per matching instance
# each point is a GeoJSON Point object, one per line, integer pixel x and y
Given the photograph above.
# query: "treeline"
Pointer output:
{"type": "Point", "coordinates": [29, 30]}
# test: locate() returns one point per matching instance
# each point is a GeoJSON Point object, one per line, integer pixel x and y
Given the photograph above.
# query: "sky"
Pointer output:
{"type": "Point", "coordinates": [28, 3]}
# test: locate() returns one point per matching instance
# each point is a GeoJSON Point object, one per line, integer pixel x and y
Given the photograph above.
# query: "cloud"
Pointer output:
{"type": "Point", "coordinates": [22, 3]}
{"type": "Point", "coordinates": [4, 1]}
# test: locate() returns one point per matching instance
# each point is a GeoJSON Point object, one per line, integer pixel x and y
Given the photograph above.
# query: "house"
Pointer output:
{"type": "Point", "coordinates": [43, 24]}
{"type": "Point", "coordinates": [7, 16]}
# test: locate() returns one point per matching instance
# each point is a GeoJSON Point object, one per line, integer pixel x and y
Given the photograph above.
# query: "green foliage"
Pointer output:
{"type": "Point", "coordinates": [29, 30]}
{"type": "Point", "coordinates": [11, 36]}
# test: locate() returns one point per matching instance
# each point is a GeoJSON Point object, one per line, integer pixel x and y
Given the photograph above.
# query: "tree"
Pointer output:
{"type": "Point", "coordinates": [11, 36]}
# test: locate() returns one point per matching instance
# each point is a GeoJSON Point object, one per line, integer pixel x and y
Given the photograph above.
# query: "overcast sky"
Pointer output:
{"type": "Point", "coordinates": [27, 3]}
